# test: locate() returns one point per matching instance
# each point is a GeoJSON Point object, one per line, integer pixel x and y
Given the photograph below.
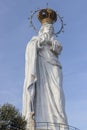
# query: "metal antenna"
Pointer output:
{"type": "Point", "coordinates": [47, 4]}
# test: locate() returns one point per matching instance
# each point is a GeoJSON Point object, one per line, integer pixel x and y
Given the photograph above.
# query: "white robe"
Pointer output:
{"type": "Point", "coordinates": [43, 78]}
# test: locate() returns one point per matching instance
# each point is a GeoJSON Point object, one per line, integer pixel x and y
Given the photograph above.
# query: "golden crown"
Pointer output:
{"type": "Point", "coordinates": [47, 16]}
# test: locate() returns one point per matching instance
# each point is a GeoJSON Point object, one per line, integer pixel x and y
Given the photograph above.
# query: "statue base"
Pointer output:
{"type": "Point", "coordinates": [49, 126]}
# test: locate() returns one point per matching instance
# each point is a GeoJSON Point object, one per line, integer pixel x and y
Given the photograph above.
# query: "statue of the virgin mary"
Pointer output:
{"type": "Point", "coordinates": [43, 93]}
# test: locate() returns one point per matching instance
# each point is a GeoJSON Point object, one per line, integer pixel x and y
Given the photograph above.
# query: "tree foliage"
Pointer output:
{"type": "Point", "coordinates": [11, 118]}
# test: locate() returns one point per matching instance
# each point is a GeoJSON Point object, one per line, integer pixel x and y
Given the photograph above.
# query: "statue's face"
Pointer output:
{"type": "Point", "coordinates": [47, 28]}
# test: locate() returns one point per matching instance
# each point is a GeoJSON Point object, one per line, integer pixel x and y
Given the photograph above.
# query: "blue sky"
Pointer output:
{"type": "Point", "coordinates": [14, 35]}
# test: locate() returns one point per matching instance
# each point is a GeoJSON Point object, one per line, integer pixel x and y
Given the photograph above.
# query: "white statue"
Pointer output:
{"type": "Point", "coordinates": [43, 93]}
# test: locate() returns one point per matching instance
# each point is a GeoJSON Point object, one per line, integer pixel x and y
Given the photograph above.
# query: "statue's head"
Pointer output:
{"type": "Point", "coordinates": [47, 16]}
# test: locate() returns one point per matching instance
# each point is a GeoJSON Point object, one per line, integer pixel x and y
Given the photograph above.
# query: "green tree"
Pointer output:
{"type": "Point", "coordinates": [11, 118]}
